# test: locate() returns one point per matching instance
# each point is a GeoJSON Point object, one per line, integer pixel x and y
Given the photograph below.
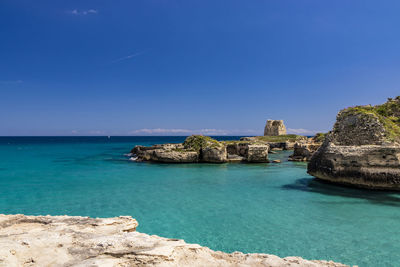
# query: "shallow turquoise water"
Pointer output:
{"type": "Point", "coordinates": [270, 208]}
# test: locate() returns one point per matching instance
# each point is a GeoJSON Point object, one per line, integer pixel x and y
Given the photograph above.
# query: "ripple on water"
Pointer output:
{"type": "Point", "coordinates": [271, 208]}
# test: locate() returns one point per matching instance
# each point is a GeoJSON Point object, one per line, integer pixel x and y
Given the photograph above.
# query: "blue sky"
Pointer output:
{"type": "Point", "coordinates": [179, 67]}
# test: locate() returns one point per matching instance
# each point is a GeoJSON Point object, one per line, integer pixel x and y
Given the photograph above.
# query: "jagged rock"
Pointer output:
{"type": "Point", "coordinates": [235, 158]}
{"type": "Point", "coordinates": [203, 149]}
{"type": "Point", "coordinates": [82, 241]}
{"type": "Point", "coordinates": [304, 151]}
{"type": "Point", "coordinates": [214, 154]}
{"type": "Point", "coordinates": [195, 149]}
{"type": "Point", "coordinates": [289, 145]}
{"type": "Point", "coordinates": [171, 156]}
{"type": "Point", "coordinates": [275, 146]}
{"type": "Point", "coordinates": [257, 153]}
{"type": "Point", "coordinates": [285, 142]}
{"type": "Point", "coordinates": [363, 148]}
{"type": "Point", "coordinates": [243, 148]}
{"type": "Point", "coordinates": [250, 151]}
{"type": "Point", "coordinates": [274, 127]}
{"type": "Point", "coordinates": [232, 148]}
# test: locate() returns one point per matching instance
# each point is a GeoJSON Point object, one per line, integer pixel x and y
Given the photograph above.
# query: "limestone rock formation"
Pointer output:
{"type": "Point", "coordinates": [283, 142]}
{"type": "Point", "coordinates": [82, 241]}
{"type": "Point", "coordinates": [303, 150]}
{"type": "Point", "coordinates": [167, 153]}
{"type": "Point", "coordinates": [257, 153]}
{"type": "Point", "coordinates": [214, 154]}
{"type": "Point", "coordinates": [198, 148]}
{"type": "Point", "coordinates": [274, 127]}
{"type": "Point", "coordinates": [174, 156]}
{"type": "Point", "coordinates": [363, 149]}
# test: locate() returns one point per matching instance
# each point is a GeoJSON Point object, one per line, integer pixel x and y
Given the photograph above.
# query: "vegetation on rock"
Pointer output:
{"type": "Point", "coordinates": [388, 115]}
{"type": "Point", "coordinates": [281, 138]}
{"type": "Point", "coordinates": [197, 142]}
{"type": "Point", "coordinates": [319, 137]}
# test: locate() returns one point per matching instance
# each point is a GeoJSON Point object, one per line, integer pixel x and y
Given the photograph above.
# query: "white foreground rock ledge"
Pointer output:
{"type": "Point", "coordinates": [83, 241]}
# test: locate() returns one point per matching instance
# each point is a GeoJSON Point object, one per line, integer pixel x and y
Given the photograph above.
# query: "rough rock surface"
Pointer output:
{"type": "Point", "coordinates": [167, 153]}
{"type": "Point", "coordinates": [303, 150]}
{"type": "Point", "coordinates": [257, 153]}
{"type": "Point", "coordinates": [171, 156]}
{"type": "Point", "coordinates": [82, 241]}
{"type": "Point", "coordinates": [254, 139]}
{"type": "Point", "coordinates": [203, 149]}
{"type": "Point", "coordinates": [363, 148]}
{"type": "Point", "coordinates": [274, 127]}
{"type": "Point", "coordinates": [214, 154]}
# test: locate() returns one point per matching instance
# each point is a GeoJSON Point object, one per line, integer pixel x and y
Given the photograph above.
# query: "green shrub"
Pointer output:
{"type": "Point", "coordinates": [197, 142]}
{"type": "Point", "coordinates": [388, 115]}
{"type": "Point", "coordinates": [319, 137]}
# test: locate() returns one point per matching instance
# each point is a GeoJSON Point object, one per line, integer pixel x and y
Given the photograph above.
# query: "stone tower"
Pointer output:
{"type": "Point", "coordinates": [274, 127]}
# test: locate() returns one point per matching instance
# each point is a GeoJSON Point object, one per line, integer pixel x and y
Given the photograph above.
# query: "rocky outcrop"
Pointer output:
{"type": "Point", "coordinates": [363, 149]}
{"type": "Point", "coordinates": [303, 150]}
{"type": "Point", "coordinates": [257, 153]}
{"type": "Point", "coordinates": [167, 153]}
{"type": "Point", "coordinates": [216, 154]}
{"type": "Point", "coordinates": [274, 127]}
{"type": "Point", "coordinates": [174, 156]}
{"type": "Point", "coordinates": [82, 241]}
{"type": "Point", "coordinates": [199, 149]}
{"type": "Point", "coordinates": [281, 142]}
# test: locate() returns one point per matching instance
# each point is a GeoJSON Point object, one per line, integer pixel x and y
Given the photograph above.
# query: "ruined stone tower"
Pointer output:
{"type": "Point", "coordinates": [274, 127]}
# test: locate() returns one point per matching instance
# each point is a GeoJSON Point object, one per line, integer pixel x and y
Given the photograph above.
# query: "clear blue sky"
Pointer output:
{"type": "Point", "coordinates": [176, 67]}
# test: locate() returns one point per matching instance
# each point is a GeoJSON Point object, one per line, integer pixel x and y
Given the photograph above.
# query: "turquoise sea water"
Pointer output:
{"type": "Point", "coordinates": [269, 208]}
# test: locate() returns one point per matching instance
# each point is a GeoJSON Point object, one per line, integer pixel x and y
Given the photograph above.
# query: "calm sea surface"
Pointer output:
{"type": "Point", "coordinates": [270, 208]}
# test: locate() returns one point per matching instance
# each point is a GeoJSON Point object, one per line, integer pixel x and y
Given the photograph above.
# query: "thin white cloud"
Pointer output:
{"type": "Point", "coordinates": [303, 131]}
{"type": "Point", "coordinates": [11, 82]}
{"type": "Point", "coordinates": [206, 131]}
{"type": "Point", "coordinates": [128, 57]}
{"type": "Point", "coordinates": [77, 12]}
{"type": "Point", "coordinates": [97, 132]}
{"type": "Point", "coordinates": [90, 11]}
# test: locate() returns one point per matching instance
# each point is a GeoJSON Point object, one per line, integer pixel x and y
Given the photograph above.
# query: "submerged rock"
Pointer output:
{"type": "Point", "coordinates": [82, 241]}
{"type": "Point", "coordinates": [363, 149]}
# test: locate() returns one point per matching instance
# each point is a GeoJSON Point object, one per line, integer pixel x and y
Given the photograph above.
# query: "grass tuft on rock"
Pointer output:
{"type": "Point", "coordinates": [281, 138]}
{"type": "Point", "coordinates": [319, 137]}
{"type": "Point", "coordinates": [197, 142]}
{"type": "Point", "coordinates": [388, 115]}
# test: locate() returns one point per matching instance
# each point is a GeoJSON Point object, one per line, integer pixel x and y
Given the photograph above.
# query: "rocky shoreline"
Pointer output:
{"type": "Point", "coordinates": [363, 149]}
{"type": "Point", "coordinates": [254, 149]}
{"type": "Point", "coordinates": [84, 241]}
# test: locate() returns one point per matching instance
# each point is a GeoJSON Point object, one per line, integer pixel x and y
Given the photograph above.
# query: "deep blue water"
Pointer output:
{"type": "Point", "coordinates": [271, 208]}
